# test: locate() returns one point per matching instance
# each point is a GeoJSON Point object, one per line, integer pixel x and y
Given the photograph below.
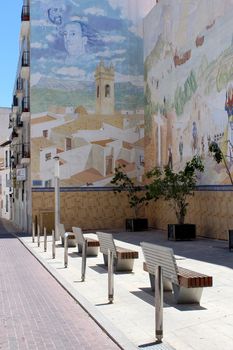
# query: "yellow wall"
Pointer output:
{"type": "Point", "coordinates": [89, 210]}
{"type": "Point", "coordinates": [212, 212]}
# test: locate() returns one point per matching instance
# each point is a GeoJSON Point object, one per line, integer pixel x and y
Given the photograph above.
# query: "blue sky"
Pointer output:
{"type": "Point", "coordinates": [10, 20]}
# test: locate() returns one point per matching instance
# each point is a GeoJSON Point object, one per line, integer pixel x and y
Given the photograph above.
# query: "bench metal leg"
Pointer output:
{"type": "Point", "coordinates": [84, 261]}
{"type": "Point", "coordinates": [33, 232]}
{"type": "Point", "coordinates": [38, 235]}
{"type": "Point", "coordinates": [45, 239]}
{"type": "Point", "coordinates": [53, 244]}
{"type": "Point", "coordinates": [159, 303]}
{"type": "Point", "coordinates": [110, 276]}
{"type": "Point", "coordinates": [65, 249]}
{"type": "Point", "coordinates": [187, 295]}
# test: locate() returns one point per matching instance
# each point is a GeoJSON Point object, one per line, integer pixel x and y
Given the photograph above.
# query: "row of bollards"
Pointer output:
{"type": "Point", "coordinates": [36, 231]}
{"type": "Point", "coordinates": [158, 274]}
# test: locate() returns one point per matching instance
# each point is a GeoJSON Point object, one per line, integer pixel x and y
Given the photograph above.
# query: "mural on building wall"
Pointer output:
{"type": "Point", "coordinates": [87, 89]}
{"type": "Point", "coordinates": [189, 84]}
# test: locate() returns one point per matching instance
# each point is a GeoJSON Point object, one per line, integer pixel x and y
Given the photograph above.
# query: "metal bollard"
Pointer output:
{"type": "Point", "coordinates": [110, 277]}
{"type": "Point", "coordinates": [53, 245]}
{"type": "Point", "coordinates": [45, 239]}
{"type": "Point", "coordinates": [84, 260]}
{"type": "Point", "coordinates": [66, 235]}
{"type": "Point", "coordinates": [38, 235]}
{"type": "Point", "coordinates": [33, 232]}
{"type": "Point", "coordinates": [159, 303]}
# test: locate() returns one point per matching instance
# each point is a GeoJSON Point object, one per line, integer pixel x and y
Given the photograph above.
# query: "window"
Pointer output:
{"type": "Point", "coordinates": [45, 133]}
{"type": "Point", "coordinates": [68, 144]}
{"type": "Point", "coordinates": [48, 183]}
{"type": "Point", "coordinates": [107, 91]}
{"type": "Point", "coordinates": [98, 91]}
{"type": "Point", "coordinates": [47, 156]}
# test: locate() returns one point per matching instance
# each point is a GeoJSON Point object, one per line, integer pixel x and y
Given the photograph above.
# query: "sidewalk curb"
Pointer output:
{"type": "Point", "coordinates": [116, 335]}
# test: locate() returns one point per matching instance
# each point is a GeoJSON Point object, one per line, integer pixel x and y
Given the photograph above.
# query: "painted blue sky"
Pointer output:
{"type": "Point", "coordinates": [113, 30]}
{"type": "Point", "coordinates": [10, 18]}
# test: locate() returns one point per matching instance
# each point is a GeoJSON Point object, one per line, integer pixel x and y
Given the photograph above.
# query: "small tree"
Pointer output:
{"type": "Point", "coordinates": [134, 192]}
{"type": "Point", "coordinates": [219, 157]}
{"type": "Point", "coordinates": [175, 187]}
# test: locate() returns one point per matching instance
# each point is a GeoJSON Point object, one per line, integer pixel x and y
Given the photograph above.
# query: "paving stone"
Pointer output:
{"type": "Point", "coordinates": [35, 311]}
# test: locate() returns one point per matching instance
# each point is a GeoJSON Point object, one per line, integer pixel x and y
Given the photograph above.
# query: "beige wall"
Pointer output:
{"type": "Point", "coordinates": [89, 210]}
{"type": "Point", "coordinates": [212, 212]}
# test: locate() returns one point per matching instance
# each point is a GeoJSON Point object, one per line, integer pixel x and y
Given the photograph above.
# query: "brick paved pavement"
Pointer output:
{"type": "Point", "coordinates": [35, 311]}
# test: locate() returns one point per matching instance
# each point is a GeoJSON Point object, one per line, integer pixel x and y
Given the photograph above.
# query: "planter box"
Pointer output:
{"type": "Point", "coordinates": [140, 224]}
{"type": "Point", "coordinates": [182, 232]}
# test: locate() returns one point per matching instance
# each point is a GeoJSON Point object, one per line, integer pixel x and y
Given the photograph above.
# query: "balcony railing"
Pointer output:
{"type": "Point", "coordinates": [15, 101]}
{"type": "Point", "coordinates": [26, 59]}
{"type": "Point", "coordinates": [19, 84]}
{"type": "Point", "coordinates": [26, 104]}
{"type": "Point", "coordinates": [26, 150]}
{"type": "Point", "coordinates": [25, 14]}
{"type": "Point", "coordinates": [14, 133]}
{"type": "Point", "coordinates": [19, 122]}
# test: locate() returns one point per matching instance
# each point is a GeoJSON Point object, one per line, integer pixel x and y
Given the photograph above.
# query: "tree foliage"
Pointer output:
{"type": "Point", "coordinates": [175, 187]}
{"type": "Point", "coordinates": [219, 157]}
{"type": "Point", "coordinates": [134, 192]}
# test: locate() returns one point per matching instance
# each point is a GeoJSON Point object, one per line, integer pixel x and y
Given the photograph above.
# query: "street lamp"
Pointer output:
{"type": "Point", "coordinates": [57, 197]}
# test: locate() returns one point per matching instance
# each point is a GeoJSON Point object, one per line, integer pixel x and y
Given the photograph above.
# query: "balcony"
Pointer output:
{"type": "Point", "coordinates": [11, 120]}
{"type": "Point", "coordinates": [26, 105]}
{"type": "Point", "coordinates": [25, 160]}
{"type": "Point", "coordinates": [19, 123]}
{"type": "Point", "coordinates": [25, 21]}
{"type": "Point", "coordinates": [25, 14]}
{"type": "Point", "coordinates": [15, 104]}
{"type": "Point", "coordinates": [19, 87]}
{"type": "Point", "coordinates": [25, 64]}
{"type": "Point", "coordinates": [14, 134]}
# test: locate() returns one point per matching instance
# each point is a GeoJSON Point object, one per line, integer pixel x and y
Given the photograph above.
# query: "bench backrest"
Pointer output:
{"type": "Point", "coordinates": [156, 255]}
{"type": "Point", "coordinates": [106, 242]}
{"type": "Point", "coordinates": [78, 235]}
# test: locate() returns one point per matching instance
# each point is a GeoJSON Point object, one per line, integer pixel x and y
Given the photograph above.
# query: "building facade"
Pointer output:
{"type": "Point", "coordinates": [188, 49]}
{"type": "Point", "coordinates": [78, 96]}
{"type": "Point", "coordinates": [5, 170]}
{"type": "Point", "coordinates": [80, 93]}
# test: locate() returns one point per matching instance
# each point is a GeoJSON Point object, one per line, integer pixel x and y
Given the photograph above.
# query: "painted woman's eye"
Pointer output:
{"type": "Point", "coordinates": [73, 33]}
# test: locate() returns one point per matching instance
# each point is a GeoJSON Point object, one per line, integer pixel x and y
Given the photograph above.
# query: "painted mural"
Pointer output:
{"type": "Point", "coordinates": [87, 89]}
{"type": "Point", "coordinates": [189, 84]}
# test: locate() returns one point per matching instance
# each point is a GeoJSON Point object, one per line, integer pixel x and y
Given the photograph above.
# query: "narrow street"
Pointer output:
{"type": "Point", "coordinates": [35, 311]}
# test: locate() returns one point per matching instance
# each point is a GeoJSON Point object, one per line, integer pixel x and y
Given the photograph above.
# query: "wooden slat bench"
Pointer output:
{"type": "Point", "coordinates": [123, 257]}
{"type": "Point", "coordinates": [92, 244]}
{"type": "Point", "coordinates": [186, 284]}
{"type": "Point", "coordinates": [71, 236]}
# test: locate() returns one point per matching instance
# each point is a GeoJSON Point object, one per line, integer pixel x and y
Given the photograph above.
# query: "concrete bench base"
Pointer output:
{"type": "Point", "coordinates": [71, 240]}
{"type": "Point", "coordinates": [92, 247]}
{"type": "Point", "coordinates": [120, 264]}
